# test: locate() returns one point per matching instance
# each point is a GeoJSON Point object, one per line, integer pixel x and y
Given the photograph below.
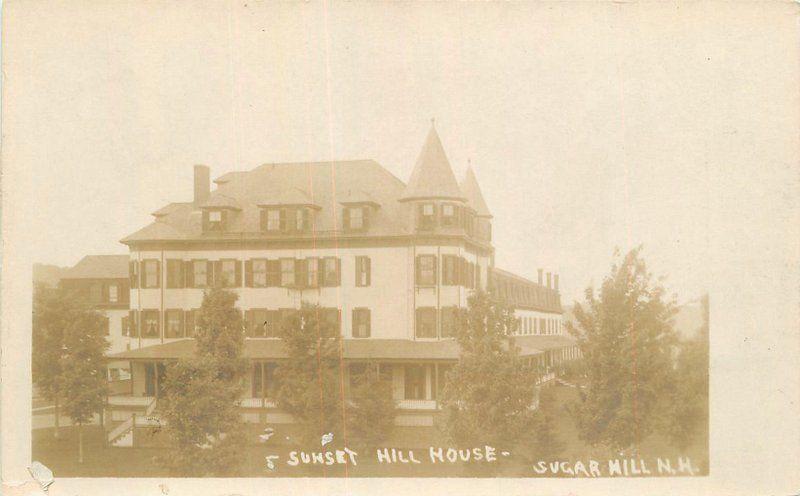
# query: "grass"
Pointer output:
{"type": "Point", "coordinates": [102, 461]}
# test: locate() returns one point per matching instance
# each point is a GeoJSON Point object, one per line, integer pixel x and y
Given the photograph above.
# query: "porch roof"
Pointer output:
{"type": "Point", "coordinates": [353, 349]}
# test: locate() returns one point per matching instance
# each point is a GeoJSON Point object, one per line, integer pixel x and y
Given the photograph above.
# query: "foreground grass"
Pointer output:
{"type": "Point", "coordinates": [102, 461]}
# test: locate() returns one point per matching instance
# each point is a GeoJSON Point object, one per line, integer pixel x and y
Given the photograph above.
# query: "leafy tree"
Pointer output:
{"type": "Point", "coordinates": [489, 392]}
{"type": "Point", "coordinates": [310, 382]}
{"type": "Point", "coordinates": [626, 338]}
{"type": "Point", "coordinates": [688, 419]}
{"type": "Point", "coordinates": [371, 414]}
{"type": "Point", "coordinates": [545, 443]}
{"type": "Point", "coordinates": [68, 355]}
{"type": "Point", "coordinates": [201, 394]}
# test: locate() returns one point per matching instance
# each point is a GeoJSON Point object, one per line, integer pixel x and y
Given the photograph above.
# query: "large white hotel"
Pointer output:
{"type": "Point", "coordinates": [387, 260]}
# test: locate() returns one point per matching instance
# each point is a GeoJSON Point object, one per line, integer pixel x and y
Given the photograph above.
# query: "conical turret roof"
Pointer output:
{"type": "Point", "coordinates": [471, 189]}
{"type": "Point", "coordinates": [432, 176]}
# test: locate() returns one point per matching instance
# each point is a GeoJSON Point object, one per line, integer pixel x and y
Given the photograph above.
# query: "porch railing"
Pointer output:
{"type": "Point", "coordinates": [417, 404]}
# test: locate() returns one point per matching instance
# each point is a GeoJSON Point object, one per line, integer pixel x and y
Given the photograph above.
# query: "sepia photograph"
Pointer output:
{"type": "Point", "coordinates": [437, 241]}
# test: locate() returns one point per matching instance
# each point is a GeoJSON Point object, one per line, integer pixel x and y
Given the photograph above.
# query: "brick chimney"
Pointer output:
{"type": "Point", "coordinates": [541, 280]}
{"type": "Point", "coordinates": [555, 282]}
{"type": "Point", "coordinates": [549, 280]}
{"type": "Point", "coordinates": [202, 184]}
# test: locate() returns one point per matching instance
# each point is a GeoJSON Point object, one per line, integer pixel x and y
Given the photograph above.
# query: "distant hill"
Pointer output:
{"type": "Point", "coordinates": [48, 274]}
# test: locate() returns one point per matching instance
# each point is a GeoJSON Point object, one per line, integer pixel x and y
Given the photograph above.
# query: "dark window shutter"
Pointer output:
{"type": "Point", "coordinates": [338, 272]}
{"type": "Point", "coordinates": [368, 263]}
{"type": "Point", "coordinates": [346, 218]}
{"type": "Point", "coordinates": [189, 273]}
{"type": "Point", "coordinates": [158, 273]}
{"type": "Point", "coordinates": [435, 268]}
{"type": "Point", "coordinates": [418, 267]}
{"type": "Point", "coordinates": [262, 218]}
{"type": "Point", "coordinates": [368, 322]}
{"type": "Point", "coordinates": [365, 213]}
{"type": "Point", "coordinates": [306, 219]}
{"type": "Point", "coordinates": [133, 274]}
{"type": "Point", "coordinates": [300, 273]}
{"type": "Point", "coordinates": [283, 219]}
{"type": "Point", "coordinates": [249, 324]}
{"type": "Point", "coordinates": [248, 273]}
{"type": "Point", "coordinates": [273, 273]}
{"type": "Point", "coordinates": [214, 273]}
{"type": "Point", "coordinates": [238, 265]}
{"type": "Point", "coordinates": [142, 270]}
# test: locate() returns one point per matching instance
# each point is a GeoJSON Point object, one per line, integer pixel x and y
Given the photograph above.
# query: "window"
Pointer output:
{"type": "Point", "coordinates": [330, 274]}
{"type": "Point", "coordinates": [414, 382]}
{"type": "Point", "coordinates": [133, 268]}
{"type": "Point", "coordinates": [449, 321]}
{"type": "Point", "coordinates": [215, 220]}
{"type": "Point", "coordinates": [450, 264]}
{"type": "Point", "coordinates": [259, 273]}
{"type": "Point", "coordinates": [363, 271]}
{"type": "Point", "coordinates": [357, 372]}
{"type": "Point", "coordinates": [173, 327]}
{"type": "Point", "coordinates": [174, 273]}
{"type": "Point", "coordinates": [312, 268]}
{"type": "Point", "coordinates": [126, 326]}
{"type": "Point", "coordinates": [287, 272]}
{"type": "Point", "coordinates": [354, 218]}
{"type": "Point", "coordinates": [150, 274]}
{"type": "Point", "coordinates": [448, 214]}
{"type": "Point", "coordinates": [150, 327]}
{"type": "Point", "coordinates": [228, 274]}
{"type": "Point", "coordinates": [200, 273]}
{"type": "Point", "coordinates": [426, 322]}
{"type": "Point", "coordinates": [106, 326]}
{"type": "Point", "coordinates": [426, 270]}
{"type": "Point", "coordinates": [133, 324]}
{"type": "Point", "coordinates": [300, 273]}
{"type": "Point", "coordinates": [273, 273]}
{"type": "Point", "coordinates": [274, 218]}
{"type": "Point", "coordinates": [361, 322]}
{"type": "Point", "coordinates": [301, 220]}
{"type": "Point", "coordinates": [113, 293]}
{"type": "Point", "coordinates": [427, 216]}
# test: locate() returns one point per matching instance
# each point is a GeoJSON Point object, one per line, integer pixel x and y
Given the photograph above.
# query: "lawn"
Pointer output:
{"type": "Point", "coordinates": [101, 461]}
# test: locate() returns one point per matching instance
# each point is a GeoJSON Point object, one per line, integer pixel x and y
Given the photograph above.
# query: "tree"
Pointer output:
{"type": "Point", "coordinates": [201, 394]}
{"type": "Point", "coordinates": [626, 337]}
{"type": "Point", "coordinates": [372, 409]}
{"type": "Point", "coordinates": [688, 418]}
{"type": "Point", "coordinates": [489, 392]}
{"type": "Point", "coordinates": [311, 379]}
{"type": "Point", "coordinates": [545, 444]}
{"type": "Point", "coordinates": [68, 355]}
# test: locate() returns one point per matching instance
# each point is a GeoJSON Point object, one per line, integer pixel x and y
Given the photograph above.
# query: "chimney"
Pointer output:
{"type": "Point", "coordinates": [202, 183]}
{"type": "Point", "coordinates": [549, 280]}
{"type": "Point", "coordinates": [541, 281]}
{"type": "Point", "coordinates": [555, 282]}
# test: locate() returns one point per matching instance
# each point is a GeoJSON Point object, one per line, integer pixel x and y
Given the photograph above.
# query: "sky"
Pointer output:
{"type": "Point", "coordinates": [590, 127]}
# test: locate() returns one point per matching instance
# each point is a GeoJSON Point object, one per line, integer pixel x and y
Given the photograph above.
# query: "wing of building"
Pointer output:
{"type": "Point", "coordinates": [389, 261]}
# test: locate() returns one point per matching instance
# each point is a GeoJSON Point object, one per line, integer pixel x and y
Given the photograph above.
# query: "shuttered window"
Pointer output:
{"type": "Point", "coordinates": [312, 268]}
{"type": "Point", "coordinates": [426, 322]}
{"type": "Point", "coordinates": [174, 273]}
{"type": "Point", "coordinates": [449, 321]}
{"type": "Point", "coordinates": [426, 270]}
{"type": "Point", "coordinates": [363, 271]}
{"type": "Point", "coordinates": [330, 271]}
{"type": "Point", "coordinates": [287, 272]}
{"type": "Point", "coordinates": [361, 323]}
{"type": "Point", "coordinates": [150, 324]}
{"type": "Point", "coordinates": [450, 264]}
{"type": "Point", "coordinates": [133, 269]}
{"type": "Point", "coordinates": [173, 324]}
{"type": "Point", "coordinates": [150, 274]}
{"type": "Point", "coordinates": [200, 274]}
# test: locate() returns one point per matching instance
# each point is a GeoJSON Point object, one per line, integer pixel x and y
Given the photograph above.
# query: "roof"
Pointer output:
{"type": "Point", "coordinates": [432, 176]}
{"type": "Point", "coordinates": [470, 188]}
{"type": "Point", "coordinates": [219, 200]}
{"type": "Point", "coordinates": [99, 267]}
{"type": "Point", "coordinates": [304, 183]}
{"type": "Point", "coordinates": [353, 349]}
{"type": "Point", "coordinates": [519, 292]}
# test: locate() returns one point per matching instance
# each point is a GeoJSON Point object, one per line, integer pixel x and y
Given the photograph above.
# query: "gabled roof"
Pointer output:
{"type": "Point", "coordinates": [432, 176]}
{"type": "Point", "coordinates": [470, 188]}
{"type": "Point", "coordinates": [99, 267]}
{"type": "Point", "coordinates": [218, 200]}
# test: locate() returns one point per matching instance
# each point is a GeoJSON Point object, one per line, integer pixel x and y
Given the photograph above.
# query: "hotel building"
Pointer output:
{"type": "Point", "coordinates": [387, 261]}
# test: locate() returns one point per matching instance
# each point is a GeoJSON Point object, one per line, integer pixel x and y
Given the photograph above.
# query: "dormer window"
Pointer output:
{"type": "Point", "coordinates": [274, 219]}
{"type": "Point", "coordinates": [355, 218]}
{"type": "Point", "coordinates": [448, 215]}
{"type": "Point", "coordinates": [286, 219]}
{"type": "Point", "coordinates": [214, 220]}
{"type": "Point", "coordinates": [427, 216]}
